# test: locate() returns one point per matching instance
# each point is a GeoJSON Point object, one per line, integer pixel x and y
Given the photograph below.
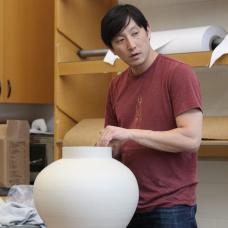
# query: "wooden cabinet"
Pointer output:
{"type": "Point", "coordinates": [27, 51]}
{"type": "Point", "coordinates": [83, 96]}
{"type": "Point", "coordinates": [1, 49]}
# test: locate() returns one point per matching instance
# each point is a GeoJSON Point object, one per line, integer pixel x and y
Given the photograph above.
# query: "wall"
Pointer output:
{"type": "Point", "coordinates": [27, 112]}
{"type": "Point", "coordinates": [213, 174]}
{"type": "Point", "coordinates": [213, 194]}
{"type": "Point", "coordinates": [214, 90]}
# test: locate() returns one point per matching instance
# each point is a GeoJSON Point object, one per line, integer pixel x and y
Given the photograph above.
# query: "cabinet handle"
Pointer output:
{"type": "Point", "coordinates": [8, 88]}
{"type": "Point", "coordinates": [0, 88]}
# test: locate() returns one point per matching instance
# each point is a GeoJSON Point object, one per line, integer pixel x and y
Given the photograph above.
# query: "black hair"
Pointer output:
{"type": "Point", "coordinates": [117, 18]}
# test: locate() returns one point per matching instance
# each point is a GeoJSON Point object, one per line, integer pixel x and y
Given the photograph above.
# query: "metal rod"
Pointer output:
{"type": "Point", "coordinates": [92, 53]}
{"type": "Point", "coordinates": [102, 52]}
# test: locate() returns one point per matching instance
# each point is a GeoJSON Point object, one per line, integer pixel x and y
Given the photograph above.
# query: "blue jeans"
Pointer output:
{"type": "Point", "coordinates": [181, 216]}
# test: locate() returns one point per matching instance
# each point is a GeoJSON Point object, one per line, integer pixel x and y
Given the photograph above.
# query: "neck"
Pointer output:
{"type": "Point", "coordinates": [143, 67]}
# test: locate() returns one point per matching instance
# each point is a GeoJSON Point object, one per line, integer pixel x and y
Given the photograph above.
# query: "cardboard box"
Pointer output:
{"type": "Point", "coordinates": [14, 153]}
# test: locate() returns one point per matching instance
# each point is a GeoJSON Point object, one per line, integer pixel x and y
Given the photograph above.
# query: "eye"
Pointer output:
{"type": "Point", "coordinates": [135, 33]}
{"type": "Point", "coordinates": [119, 40]}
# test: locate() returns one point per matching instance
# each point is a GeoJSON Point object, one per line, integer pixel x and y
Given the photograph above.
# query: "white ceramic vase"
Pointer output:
{"type": "Point", "coordinates": [86, 189]}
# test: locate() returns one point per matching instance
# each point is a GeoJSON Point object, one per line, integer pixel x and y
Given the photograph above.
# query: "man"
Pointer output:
{"type": "Point", "coordinates": [153, 121]}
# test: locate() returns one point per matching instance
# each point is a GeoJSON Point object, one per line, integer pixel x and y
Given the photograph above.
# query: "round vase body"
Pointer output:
{"type": "Point", "coordinates": [86, 189]}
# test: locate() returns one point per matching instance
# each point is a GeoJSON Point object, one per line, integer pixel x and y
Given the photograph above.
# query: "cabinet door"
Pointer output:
{"type": "Point", "coordinates": [28, 51]}
{"type": "Point", "coordinates": [1, 50]}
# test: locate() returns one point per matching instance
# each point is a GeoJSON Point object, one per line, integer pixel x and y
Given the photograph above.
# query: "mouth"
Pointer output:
{"type": "Point", "coordinates": [134, 55]}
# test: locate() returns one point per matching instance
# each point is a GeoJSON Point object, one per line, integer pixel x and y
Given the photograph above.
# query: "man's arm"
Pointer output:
{"type": "Point", "coordinates": [186, 137]}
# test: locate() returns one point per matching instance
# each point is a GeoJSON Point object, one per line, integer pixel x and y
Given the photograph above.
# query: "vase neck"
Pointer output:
{"type": "Point", "coordinates": [87, 152]}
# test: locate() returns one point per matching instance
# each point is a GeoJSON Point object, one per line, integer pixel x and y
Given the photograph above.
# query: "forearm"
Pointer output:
{"type": "Point", "coordinates": [185, 137]}
{"type": "Point", "coordinates": [175, 140]}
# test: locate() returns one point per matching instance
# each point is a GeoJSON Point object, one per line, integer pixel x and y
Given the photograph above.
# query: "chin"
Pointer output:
{"type": "Point", "coordinates": [135, 63]}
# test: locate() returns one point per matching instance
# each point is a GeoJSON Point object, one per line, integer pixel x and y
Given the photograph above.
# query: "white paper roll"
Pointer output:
{"type": "Point", "coordinates": [186, 40]}
{"type": "Point", "coordinates": [219, 51]}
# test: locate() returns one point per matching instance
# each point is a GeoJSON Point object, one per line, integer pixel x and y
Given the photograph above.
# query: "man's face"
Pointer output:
{"type": "Point", "coordinates": [132, 44]}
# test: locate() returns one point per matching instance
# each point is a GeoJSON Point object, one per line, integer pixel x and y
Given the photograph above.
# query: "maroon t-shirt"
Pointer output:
{"type": "Point", "coordinates": [152, 101]}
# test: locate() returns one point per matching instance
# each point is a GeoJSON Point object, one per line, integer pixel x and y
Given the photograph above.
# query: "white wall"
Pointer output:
{"type": "Point", "coordinates": [173, 14]}
{"type": "Point", "coordinates": [213, 174]}
{"type": "Point", "coordinates": [213, 194]}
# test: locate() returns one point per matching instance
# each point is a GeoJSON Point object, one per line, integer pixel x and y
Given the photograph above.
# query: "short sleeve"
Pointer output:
{"type": "Point", "coordinates": [184, 90]}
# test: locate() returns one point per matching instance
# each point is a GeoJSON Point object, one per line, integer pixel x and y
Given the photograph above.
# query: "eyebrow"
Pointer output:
{"type": "Point", "coordinates": [134, 27]}
{"type": "Point", "coordinates": [130, 30]}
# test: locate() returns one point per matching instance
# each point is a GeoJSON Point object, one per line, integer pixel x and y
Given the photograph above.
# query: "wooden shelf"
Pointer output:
{"type": "Point", "coordinates": [196, 59]}
{"type": "Point", "coordinates": [214, 148]}
{"type": "Point", "coordinates": [199, 59]}
{"type": "Point", "coordinates": [90, 67]}
{"type": "Point", "coordinates": [214, 143]}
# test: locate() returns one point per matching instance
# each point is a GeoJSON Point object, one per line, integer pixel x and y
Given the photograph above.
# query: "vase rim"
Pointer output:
{"type": "Point", "coordinates": [87, 152]}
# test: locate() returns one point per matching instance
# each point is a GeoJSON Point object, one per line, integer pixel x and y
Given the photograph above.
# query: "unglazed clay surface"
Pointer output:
{"type": "Point", "coordinates": [87, 188]}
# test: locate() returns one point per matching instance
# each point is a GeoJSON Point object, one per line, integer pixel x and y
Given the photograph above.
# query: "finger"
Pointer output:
{"type": "Point", "coordinates": [105, 138]}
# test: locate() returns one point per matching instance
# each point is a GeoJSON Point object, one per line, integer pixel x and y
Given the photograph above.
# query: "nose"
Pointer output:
{"type": "Point", "coordinates": [130, 43]}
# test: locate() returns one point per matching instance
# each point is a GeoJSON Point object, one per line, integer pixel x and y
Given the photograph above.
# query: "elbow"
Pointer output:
{"type": "Point", "coordinates": [191, 144]}
{"type": "Point", "coordinates": [194, 145]}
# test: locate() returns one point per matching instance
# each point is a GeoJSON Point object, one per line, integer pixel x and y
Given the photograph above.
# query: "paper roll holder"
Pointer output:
{"type": "Point", "coordinates": [102, 51]}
